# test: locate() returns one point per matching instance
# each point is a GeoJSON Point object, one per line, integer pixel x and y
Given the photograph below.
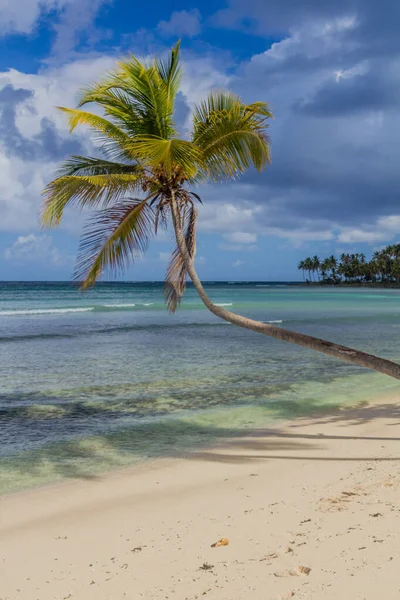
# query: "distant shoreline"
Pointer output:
{"type": "Point", "coordinates": [351, 284]}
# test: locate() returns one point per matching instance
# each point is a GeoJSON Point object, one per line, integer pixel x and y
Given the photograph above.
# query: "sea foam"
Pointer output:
{"type": "Point", "coordinates": [131, 305]}
{"type": "Point", "coordinates": [44, 311]}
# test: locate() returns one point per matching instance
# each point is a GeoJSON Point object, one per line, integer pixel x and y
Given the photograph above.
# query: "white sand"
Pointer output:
{"type": "Point", "coordinates": [326, 490]}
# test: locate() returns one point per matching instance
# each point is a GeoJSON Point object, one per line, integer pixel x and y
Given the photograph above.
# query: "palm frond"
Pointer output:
{"type": "Point", "coordinates": [232, 135]}
{"type": "Point", "coordinates": [169, 154]}
{"type": "Point", "coordinates": [99, 124]}
{"type": "Point", "coordinates": [139, 94]}
{"type": "Point", "coordinates": [113, 238]}
{"type": "Point", "coordinates": [116, 101]}
{"type": "Point", "coordinates": [175, 281]}
{"type": "Point", "coordinates": [140, 88]}
{"type": "Point", "coordinates": [86, 191]}
{"type": "Point", "coordinates": [170, 73]}
{"type": "Point", "coordinates": [88, 165]}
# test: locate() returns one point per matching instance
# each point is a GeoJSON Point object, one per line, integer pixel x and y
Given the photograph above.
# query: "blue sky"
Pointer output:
{"type": "Point", "coordinates": [330, 71]}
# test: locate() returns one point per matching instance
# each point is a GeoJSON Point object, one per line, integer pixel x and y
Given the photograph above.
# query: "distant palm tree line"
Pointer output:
{"type": "Point", "coordinates": [384, 267]}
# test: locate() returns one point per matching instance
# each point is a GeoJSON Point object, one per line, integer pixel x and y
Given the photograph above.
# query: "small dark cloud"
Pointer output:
{"type": "Point", "coordinates": [45, 145]}
{"type": "Point", "coordinates": [352, 96]}
{"type": "Point", "coordinates": [278, 16]}
{"type": "Point", "coordinates": [376, 21]}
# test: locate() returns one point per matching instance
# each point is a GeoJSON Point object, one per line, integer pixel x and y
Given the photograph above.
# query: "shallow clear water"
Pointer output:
{"type": "Point", "coordinates": [95, 381]}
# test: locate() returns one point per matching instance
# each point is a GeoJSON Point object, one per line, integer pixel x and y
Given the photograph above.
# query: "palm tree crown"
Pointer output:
{"type": "Point", "coordinates": [145, 166]}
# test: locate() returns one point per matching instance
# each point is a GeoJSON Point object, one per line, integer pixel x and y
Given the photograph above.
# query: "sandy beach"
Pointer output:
{"type": "Point", "coordinates": [320, 493]}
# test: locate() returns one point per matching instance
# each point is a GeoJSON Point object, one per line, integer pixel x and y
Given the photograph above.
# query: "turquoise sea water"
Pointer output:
{"type": "Point", "coordinates": [96, 381]}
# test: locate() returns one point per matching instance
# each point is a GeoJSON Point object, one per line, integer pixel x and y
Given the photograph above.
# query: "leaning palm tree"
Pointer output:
{"type": "Point", "coordinates": [146, 175]}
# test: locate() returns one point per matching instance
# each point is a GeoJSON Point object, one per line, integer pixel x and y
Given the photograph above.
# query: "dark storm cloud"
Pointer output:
{"type": "Point", "coordinates": [45, 145]}
{"type": "Point", "coordinates": [350, 96]}
{"type": "Point", "coordinates": [279, 16]}
{"type": "Point", "coordinates": [300, 191]}
{"type": "Point", "coordinates": [334, 86]}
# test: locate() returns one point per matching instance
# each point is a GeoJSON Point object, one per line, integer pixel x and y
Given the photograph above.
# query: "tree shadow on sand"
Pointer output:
{"type": "Point", "coordinates": [87, 458]}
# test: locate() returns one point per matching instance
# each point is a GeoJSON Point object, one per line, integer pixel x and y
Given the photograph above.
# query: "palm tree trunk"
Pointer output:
{"type": "Point", "coordinates": [336, 350]}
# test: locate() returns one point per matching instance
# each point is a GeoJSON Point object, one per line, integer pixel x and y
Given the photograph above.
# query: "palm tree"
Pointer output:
{"type": "Point", "coordinates": [142, 156]}
{"type": "Point", "coordinates": [333, 262]}
{"type": "Point", "coordinates": [301, 267]}
{"type": "Point", "coordinates": [325, 268]}
{"type": "Point", "coordinates": [316, 265]}
{"type": "Point", "coordinates": [308, 265]}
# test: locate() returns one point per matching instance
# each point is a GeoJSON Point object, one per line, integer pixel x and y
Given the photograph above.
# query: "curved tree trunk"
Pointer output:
{"type": "Point", "coordinates": [336, 350]}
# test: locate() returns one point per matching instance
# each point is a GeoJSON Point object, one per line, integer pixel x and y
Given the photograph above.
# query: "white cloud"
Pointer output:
{"type": "Point", "coordinates": [76, 18]}
{"type": "Point", "coordinates": [350, 235]}
{"type": "Point", "coordinates": [325, 169]}
{"type": "Point", "coordinates": [68, 17]}
{"type": "Point", "coordinates": [238, 263]}
{"type": "Point", "coordinates": [22, 16]}
{"type": "Point", "coordinates": [241, 223]}
{"type": "Point", "coordinates": [22, 178]}
{"type": "Point", "coordinates": [51, 87]}
{"type": "Point", "coordinates": [384, 230]}
{"type": "Point", "coordinates": [36, 249]}
{"type": "Point", "coordinates": [200, 76]}
{"type": "Point", "coordinates": [391, 223]}
{"type": "Point", "coordinates": [235, 219]}
{"type": "Point", "coordinates": [182, 22]}
{"type": "Point", "coordinates": [237, 247]}
{"type": "Point", "coordinates": [241, 237]}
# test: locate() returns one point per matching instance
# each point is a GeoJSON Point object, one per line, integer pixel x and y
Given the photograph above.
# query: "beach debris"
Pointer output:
{"type": "Point", "coordinates": [335, 504]}
{"type": "Point", "coordinates": [288, 550]}
{"type": "Point", "coordinates": [376, 515]}
{"type": "Point", "coordinates": [138, 549]}
{"type": "Point", "coordinates": [221, 542]}
{"type": "Point", "coordinates": [269, 556]}
{"type": "Point", "coordinates": [286, 596]}
{"type": "Point", "coordinates": [305, 521]}
{"type": "Point", "coordinates": [298, 571]}
{"type": "Point", "coordinates": [206, 567]}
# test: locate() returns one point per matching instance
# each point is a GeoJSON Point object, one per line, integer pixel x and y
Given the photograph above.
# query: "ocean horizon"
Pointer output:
{"type": "Point", "coordinates": [99, 380]}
